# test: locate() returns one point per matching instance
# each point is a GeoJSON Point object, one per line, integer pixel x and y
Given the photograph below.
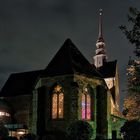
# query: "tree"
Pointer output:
{"type": "Point", "coordinates": [29, 136]}
{"type": "Point", "coordinates": [132, 101]}
{"type": "Point", "coordinates": [132, 107]}
{"type": "Point", "coordinates": [133, 33]}
{"type": "Point", "coordinates": [80, 130]}
{"type": "Point", "coordinates": [3, 131]}
{"type": "Point", "coordinates": [131, 130]}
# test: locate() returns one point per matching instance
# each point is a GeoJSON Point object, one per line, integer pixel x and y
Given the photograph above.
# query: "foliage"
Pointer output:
{"type": "Point", "coordinates": [132, 32]}
{"type": "Point", "coordinates": [131, 130]}
{"type": "Point", "coordinates": [80, 130]}
{"type": "Point", "coordinates": [132, 101]}
{"type": "Point", "coordinates": [3, 131]}
{"type": "Point", "coordinates": [11, 138]}
{"type": "Point", "coordinates": [56, 134]}
{"type": "Point", "coordinates": [132, 107]}
{"type": "Point", "coordinates": [28, 136]}
{"type": "Point", "coordinates": [133, 77]}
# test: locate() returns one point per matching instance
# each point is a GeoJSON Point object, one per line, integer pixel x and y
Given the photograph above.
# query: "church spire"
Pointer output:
{"type": "Point", "coordinates": [100, 53]}
{"type": "Point", "coordinates": [100, 36]}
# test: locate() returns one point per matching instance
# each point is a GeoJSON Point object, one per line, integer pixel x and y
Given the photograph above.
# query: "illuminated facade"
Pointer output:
{"type": "Point", "coordinates": [68, 89]}
{"type": "Point", "coordinates": [108, 69]}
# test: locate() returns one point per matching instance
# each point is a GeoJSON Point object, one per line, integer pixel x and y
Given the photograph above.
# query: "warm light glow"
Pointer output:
{"type": "Point", "coordinates": [86, 106]}
{"type": "Point", "coordinates": [110, 82]}
{"type": "Point", "coordinates": [112, 105]}
{"type": "Point", "coordinates": [57, 103]}
{"type": "Point", "coordinates": [4, 114]}
{"type": "Point", "coordinates": [61, 100]}
{"type": "Point", "coordinates": [57, 88]}
{"type": "Point", "coordinates": [54, 106]}
{"type": "Point", "coordinates": [21, 132]}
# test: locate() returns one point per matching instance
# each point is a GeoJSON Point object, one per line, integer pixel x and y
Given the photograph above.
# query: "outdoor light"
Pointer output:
{"type": "Point", "coordinates": [2, 113]}
{"type": "Point", "coordinates": [21, 132]}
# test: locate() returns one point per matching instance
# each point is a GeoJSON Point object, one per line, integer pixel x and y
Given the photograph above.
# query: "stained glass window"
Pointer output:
{"type": "Point", "coordinates": [57, 103]}
{"type": "Point", "coordinates": [61, 100]}
{"type": "Point", "coordinates": [88, 111]}
{"type": "Point", "coordinates": [54, 106]}
{"type": "Point", "coordinates": [86, 105]}
{"type": "Point", "coordinates": [83, 106]}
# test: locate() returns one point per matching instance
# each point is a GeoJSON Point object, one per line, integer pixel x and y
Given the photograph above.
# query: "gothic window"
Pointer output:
{"type": "Point", "coordinates": [57, 103]}
{"type": "Point", "coordinates": [86, 105]}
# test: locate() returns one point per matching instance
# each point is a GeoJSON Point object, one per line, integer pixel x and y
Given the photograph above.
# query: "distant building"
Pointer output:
{"type": "Point", "coordinates": [68, 89]}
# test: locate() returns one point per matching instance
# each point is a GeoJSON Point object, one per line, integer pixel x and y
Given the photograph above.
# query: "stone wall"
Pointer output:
{"type": "Point", "coordinates": [73, 88]}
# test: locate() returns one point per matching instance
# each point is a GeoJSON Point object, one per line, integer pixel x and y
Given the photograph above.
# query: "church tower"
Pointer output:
{"type": "Point", "coordinates": [100, 53]}
{"type": "Point", "coordinates": [108, 69]}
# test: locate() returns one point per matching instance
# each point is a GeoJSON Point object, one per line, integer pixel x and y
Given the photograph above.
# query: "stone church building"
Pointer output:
{"type": "Point", "coordinates": [68, 89]}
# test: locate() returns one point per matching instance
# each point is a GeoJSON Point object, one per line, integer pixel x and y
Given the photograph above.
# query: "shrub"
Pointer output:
{"type": "Point", "coordinates": [131, 130]}
{"type": "Point", "coordinates": [3, 131]}
{"type": "Point", "coordinates": [80, 130]}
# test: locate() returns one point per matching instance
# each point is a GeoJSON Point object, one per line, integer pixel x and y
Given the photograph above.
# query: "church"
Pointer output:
{"type": "Point", "coordinates": [70, 88]}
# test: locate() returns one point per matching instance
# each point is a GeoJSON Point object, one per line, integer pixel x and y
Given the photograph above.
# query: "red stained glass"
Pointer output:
{"type": "Point", "coordinates": [83, 107]}
{"type": "Point", "coordinates": [86, 106]}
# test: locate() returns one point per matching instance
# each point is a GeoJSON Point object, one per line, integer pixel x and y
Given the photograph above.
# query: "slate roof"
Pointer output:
{"type": "Point", "coordinates": [70, 60]}
{"type": "Point", "coordinates": [5, 106]}
{"type": "Point", "coordinates": [20, 83]}
{"type": "Point", "coordinates": [108, 69]}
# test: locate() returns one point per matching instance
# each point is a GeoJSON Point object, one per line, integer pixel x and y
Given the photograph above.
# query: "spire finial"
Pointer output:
{"type": "Point", "coordinates": [100, 11]}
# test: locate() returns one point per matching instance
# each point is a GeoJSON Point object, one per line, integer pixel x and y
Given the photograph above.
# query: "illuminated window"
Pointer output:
{"type": "Point", "coordinates": [57, 103]}
{"type": "Point", "coordinates": [54, 106]}
{"type": "Point", "coordinates": [86, 105]}
{"type": "Point", "coordinates": [2, 113]}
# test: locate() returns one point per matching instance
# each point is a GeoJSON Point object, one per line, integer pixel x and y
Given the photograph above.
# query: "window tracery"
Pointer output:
{"type": "Point", "coordinates": [86, 105]}
{"type": "Point", "coordinates": [57, 103]}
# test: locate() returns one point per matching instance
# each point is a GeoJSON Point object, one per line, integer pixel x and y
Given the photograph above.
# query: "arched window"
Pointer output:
{"type": "Point", "coordinates": [57, 103]}
{"type": "Point", "coordinates": [86, 105]}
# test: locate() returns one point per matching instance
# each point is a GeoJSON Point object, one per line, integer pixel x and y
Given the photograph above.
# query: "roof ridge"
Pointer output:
{"type": "Point", "coordinates": [26, 72]}
{"type": "Point", "coordinates": [69, 60]}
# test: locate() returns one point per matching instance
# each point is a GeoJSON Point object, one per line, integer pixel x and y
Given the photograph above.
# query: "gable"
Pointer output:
{"type": "Point", "coordinates": [69, 60]}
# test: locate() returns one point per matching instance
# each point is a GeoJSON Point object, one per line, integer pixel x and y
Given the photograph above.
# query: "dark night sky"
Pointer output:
{"type": "Point", "coordinates": [32, 31]}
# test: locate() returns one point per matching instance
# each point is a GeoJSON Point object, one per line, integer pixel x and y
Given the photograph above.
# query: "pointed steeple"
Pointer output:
{"type": "Point", "coordinates": [100, 36]}
{"type": "Point", "coordinates": [100, 53]}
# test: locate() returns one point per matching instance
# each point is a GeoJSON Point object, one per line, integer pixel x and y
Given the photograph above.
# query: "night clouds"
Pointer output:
{"type": "Point", "coordinates": [32, 31]}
